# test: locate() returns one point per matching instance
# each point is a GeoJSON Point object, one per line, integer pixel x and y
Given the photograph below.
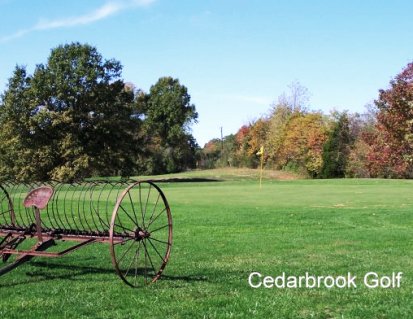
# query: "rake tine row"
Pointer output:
{"type": "Point", "coordinates": [86, 212]}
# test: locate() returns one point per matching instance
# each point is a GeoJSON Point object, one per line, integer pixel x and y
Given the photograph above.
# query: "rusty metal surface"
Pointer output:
{"type": "Point", "coordinates": [148, 261]}
{"type": "Point", "coordinates": [38, 197]}
{"type": "Point", "coordinates": [132, 216]}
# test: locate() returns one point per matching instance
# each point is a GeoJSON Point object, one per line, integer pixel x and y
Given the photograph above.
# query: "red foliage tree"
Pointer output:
{"type": "Point", "coordinates": [391, 149]}
{"type": "Point", "coordinates": [242, 134]}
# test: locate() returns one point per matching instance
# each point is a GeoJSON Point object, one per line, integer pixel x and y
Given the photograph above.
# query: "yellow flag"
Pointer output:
{"type": "Point", "coordinates": [261, 151]}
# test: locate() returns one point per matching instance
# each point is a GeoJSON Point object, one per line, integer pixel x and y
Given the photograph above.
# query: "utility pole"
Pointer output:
{"type": "Point", "coordinates": [222, 141]}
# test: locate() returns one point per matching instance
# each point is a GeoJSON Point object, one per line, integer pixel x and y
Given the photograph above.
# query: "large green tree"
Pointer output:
{"type": "Point", "coordinates": [169, 114]}
{"type": "Point", "coordinates": [337, 148]}
{"type": "Point", "coordinates": [21, 150]}
{"type": "Point", "coordinates": [71, 119]}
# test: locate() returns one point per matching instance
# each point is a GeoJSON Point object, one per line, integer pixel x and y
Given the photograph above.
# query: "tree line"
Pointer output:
{"type": "Point", "coordinates": [377, 143]}
{"type": "Point", "coordinates": [75, 117]}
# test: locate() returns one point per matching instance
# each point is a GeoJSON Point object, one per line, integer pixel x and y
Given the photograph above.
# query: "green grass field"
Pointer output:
{"type": "Point", "coordinates": [228, 228]}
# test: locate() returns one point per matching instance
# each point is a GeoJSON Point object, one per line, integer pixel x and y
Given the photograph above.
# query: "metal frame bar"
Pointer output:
{"type": "Point", "coordinates": [82, 215]}
{"type": "Point", "coordinates": [83, 241]}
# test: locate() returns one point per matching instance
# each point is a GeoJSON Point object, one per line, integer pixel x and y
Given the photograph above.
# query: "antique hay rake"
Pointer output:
{"type": "Point", "coordinates": [133, 217]}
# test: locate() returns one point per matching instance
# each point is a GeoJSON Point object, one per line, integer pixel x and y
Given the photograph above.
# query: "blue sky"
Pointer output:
{"type": "Point", "coordinates": [235, 57]}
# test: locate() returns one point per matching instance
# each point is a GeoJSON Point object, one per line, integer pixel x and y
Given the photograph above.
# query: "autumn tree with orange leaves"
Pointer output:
{"type": "Point", "coordinates": [391, 152]}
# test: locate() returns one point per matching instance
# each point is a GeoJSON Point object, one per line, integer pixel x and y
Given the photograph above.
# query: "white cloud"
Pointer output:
{"type": "Point", "coordinates": [100, 13]}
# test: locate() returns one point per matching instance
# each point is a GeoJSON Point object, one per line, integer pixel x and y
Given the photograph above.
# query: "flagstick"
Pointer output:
{"type": "Point", "coordinates": [261, 152]}
{"type": "Point", "coordinates": [262, 162]}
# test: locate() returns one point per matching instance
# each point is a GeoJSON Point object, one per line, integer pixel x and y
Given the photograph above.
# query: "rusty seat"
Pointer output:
{"type": "Point", "coordinates": [38, 197]}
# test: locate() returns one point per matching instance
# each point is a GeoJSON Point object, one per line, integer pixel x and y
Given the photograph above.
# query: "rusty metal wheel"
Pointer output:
{"type": "Point", "coordinates": [141, 234]}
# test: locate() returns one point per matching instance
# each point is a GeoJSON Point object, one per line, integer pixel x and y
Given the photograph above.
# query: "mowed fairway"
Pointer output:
{"type": "Point", "coordinates": [224, 230]}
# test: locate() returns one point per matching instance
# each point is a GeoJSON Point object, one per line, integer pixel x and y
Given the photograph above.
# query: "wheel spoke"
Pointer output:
{"type": "Point", "coordinates": [152, 231]}
{"type": "Point", "coordinates": [123, 242]}
{"type": "Point", "coordinates": [127, 214]}
{"type": "Point", "coordinates": [124, 254]}
{"type": "Point", "coordinates": [150, 242]}
{"type": "Point", "coordinates": [130, 266]}
{"type": "Point", "coordinates": [137, 263]}
{"type": "Point", "coordinates": [123, 227]}
{"type": "Point", "coordinates": [160, 241]}
{"type": "Point", "coordinates": [149, 257]}
{"type": "Point", "coordinates": [146, 204]}
{"type": "Point", "coordinates": [154, 209]}
{"type": "Point", "coordinates": [163, 210]}
{"type": "Point", "coordinates": [145, 268]}
{"type": "Point", "coordinates": [133, 208]}
{"type": "Point", "coordinates": [141, 259]}
{"type": "Point", "coordinates": [140, 202]}
{"type": "Point", "coordinates": [133, 259]}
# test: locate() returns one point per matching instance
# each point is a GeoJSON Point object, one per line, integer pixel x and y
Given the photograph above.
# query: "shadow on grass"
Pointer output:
{"type": "Point", "coordinates": [47, 272]}
{"type": "Point", "coordinates": [186, 180]}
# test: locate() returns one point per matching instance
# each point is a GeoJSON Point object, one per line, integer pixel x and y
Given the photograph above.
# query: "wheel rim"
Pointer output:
{"type": "Point", "coordinates": [141, 234]}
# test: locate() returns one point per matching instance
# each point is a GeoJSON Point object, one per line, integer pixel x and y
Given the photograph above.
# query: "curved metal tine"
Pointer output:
{"type": "Point", "coordinates": [91, 201]}
{"type": "Point", "coordinates": [19, 218]}
{"type": "Point", "coordinates": [49, 210]}
{"type": "Point", "coordinates": [65, 212]}
{"type": "Point", "coordinates": [113, 186]}
{"type": "Point", "coordinates": [9, 203]}
{"type": "Point", "coordinates": [120, 185]}
{"type": "Point", "coordinates": [85, 194]}
{"type": "Point", "coordinates": [58, 192]}
{"type": "Point", "coordinates": [14, 189]}
{"type": "Point", "coordinates": [16, 207]}
{"type": "Point", "coordinates": [3, 212]}
{"type": "Point", "coordinates": [94, 207]}
{"type": "Point", "coordinates": [78, 200]}
{"type": "Point", "coordinates": [12, 194]}
{"type": "Point", "coordinates": [71, 205]}
{"type": "Point", "coordinates": [5, 197]}
{"type": "Point", "coordinates": [103, 200]}
{"type": "Point", "coordinates": [54, 209]}
{"type": "Point", "coordinates": [104, 226]}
